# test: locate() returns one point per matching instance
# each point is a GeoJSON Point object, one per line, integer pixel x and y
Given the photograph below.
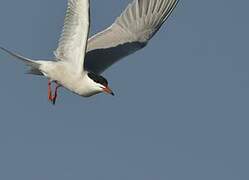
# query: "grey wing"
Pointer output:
{"type": "Point", "coordinates": [129, 33]}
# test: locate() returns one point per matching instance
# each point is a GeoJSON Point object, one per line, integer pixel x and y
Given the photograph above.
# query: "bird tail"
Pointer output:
{"type": "Point", "coordinates": [33, 65]}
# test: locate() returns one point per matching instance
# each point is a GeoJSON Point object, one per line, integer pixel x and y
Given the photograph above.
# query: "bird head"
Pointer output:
{"type": "Point", "coordinates": [99, 83]}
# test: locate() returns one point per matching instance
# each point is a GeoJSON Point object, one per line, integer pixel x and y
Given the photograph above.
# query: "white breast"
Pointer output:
{"type": "Point", "coordinates": [64, 74]}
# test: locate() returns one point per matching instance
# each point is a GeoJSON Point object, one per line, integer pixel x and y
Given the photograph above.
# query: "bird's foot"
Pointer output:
{"type": "Point", "coordinates": [52, 98]}
{"type": "Point", "coordinates": [55, 93]}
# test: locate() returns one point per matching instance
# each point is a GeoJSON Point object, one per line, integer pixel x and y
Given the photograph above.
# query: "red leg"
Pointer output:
{"type": "Point", "coordinates": [50, 98]}
{"type": "Point", "coordinates": [55, 93]}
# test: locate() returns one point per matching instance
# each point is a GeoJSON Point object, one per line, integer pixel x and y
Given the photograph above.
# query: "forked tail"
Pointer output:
{"type": "Point", "coordinates": [33, 65]}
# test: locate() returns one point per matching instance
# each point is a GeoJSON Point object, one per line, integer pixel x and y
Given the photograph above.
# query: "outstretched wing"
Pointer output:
{"type": "Point", "coordinates": [129, 33]}
{"type": "Point", "coordinates": [74, 35]}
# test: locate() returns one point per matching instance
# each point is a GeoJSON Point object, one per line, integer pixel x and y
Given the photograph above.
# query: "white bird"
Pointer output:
{"type": "Point", "coordinates": [79, 61]}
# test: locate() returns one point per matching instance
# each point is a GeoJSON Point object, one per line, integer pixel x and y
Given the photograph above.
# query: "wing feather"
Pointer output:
{"type": "Point", "coordinates": [74, 34]}
{"type": "Point", "coordinates": [130, 32]}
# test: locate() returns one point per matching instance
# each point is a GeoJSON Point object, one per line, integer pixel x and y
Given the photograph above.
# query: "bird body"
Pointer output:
{"type": "Point", "coordinates": [79, 61]}
{"type": "Point", "coordinates": [63, 73]}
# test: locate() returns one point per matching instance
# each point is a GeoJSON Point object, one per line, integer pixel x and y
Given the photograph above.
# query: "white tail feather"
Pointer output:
{"type": "Point", "coordinates": [34, 66]}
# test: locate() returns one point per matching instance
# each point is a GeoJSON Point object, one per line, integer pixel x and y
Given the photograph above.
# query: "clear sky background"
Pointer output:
{"type": "Point", "coordinates": [181, 108]}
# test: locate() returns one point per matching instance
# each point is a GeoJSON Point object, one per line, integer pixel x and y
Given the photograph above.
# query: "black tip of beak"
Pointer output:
{"type": "Point", "coordinates": [112, 94]}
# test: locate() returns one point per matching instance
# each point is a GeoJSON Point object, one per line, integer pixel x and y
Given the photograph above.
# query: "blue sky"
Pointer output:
{"type": "Point", "coordinates": [180, 110]}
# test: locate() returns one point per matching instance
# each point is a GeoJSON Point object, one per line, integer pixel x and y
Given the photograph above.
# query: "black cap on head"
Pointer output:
{"type": "Point", "coordinates": [97, 78]}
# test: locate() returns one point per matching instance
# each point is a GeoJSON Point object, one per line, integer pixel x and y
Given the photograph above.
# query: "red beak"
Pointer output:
{"type": "Point", "coordinates": [108, 90]}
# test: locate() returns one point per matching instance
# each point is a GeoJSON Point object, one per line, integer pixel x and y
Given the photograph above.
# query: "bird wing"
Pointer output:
{"type": "Point", "coordinates": [130, 32]}
{"type": "Point", "coordinates": [75, 34]}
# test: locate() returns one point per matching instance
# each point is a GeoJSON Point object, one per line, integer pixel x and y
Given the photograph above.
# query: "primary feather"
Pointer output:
{"type": "Point", "coordinates": [129, 33]}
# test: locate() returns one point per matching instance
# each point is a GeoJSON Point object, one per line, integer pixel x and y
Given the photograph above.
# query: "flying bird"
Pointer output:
{"type": "Point", "coordinates": [79, 61]}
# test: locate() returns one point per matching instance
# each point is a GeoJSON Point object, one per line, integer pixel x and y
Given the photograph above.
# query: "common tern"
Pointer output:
{"type": "Point", "coordinates": [79, 61]}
